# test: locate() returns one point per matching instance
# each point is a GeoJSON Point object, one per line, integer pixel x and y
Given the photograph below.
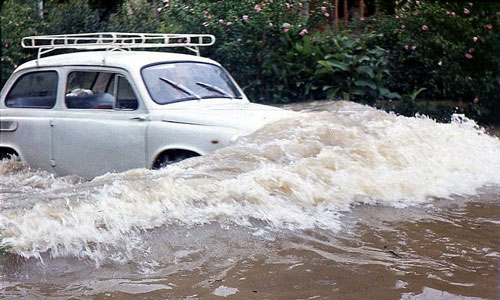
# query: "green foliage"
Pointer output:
{"type": "Point", "coordinates": [354, 70]}
{"type": "Point", "coordinates": [289, 75]}
{"type": "Point", "coordinates": [135, 16]}
{"type": "Point", "coordinates": [16, 21]}
{"type": "Point", "coordinates": [273, 49]}
{"type": "Point", "coordinates": [281, 52]}
{"type": "Point", "coordinates": [74, 17]}
{"type": "Point", "coordinates": [326, 66]}
{"type": "Point", "coordinates": [252, 39]}
{"type": "Point", "coordinates": [23, 19]}
{"type": "Point", "coordinates": [385, 7]}
{"type": "Point", "coordinates": [452, 49]}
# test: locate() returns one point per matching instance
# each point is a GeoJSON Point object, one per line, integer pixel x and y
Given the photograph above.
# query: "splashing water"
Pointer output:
{"type": "Point", "coordinates": [299, 173]}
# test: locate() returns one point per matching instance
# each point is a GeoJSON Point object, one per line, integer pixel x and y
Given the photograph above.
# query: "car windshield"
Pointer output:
{"type": "Point", "coordinates": [182, 81]}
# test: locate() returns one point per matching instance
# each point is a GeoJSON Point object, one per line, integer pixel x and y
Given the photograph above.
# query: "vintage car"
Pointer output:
{"type": "Point", "coordinates": [92, 112]}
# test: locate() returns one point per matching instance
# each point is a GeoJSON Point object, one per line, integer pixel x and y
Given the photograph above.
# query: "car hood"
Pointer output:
{"type": "Point", "coordinates": [240, 115]}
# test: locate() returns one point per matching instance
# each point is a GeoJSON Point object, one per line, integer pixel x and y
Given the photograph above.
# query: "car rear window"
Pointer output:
{"type": "Point", "coordinates": [34, 90]}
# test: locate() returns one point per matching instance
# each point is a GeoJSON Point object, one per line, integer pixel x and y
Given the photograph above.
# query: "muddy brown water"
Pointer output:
{"type": "Point", "coordinates": [340, 201]}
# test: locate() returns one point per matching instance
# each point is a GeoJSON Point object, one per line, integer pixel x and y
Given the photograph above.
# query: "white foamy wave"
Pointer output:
{"type": "Point", "coordinates": [299, 173]}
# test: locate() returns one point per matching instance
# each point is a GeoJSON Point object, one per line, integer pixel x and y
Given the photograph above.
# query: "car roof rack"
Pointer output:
{"type": "Point", "coordinates": [116, 41]}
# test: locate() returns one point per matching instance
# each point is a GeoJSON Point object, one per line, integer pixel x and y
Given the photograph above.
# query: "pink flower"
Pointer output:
{"type": "Point", "coordinates": [489, 26]}
{"type": "Point", "coordinates": [475, 39]}
{"type": "Point", "coordinates": [406, 47]}
{"type": "Point", "coordinates": [476, 100]}
{"type": "Point", "coordinates": [323, 8]}
{"type": "Point", "coordinates": [453, 13]}
{"type": "Point", "coordinates": [229, 23]}
{"type": "Point", "coordinates": [205, 24]}
{"type": "Point", "coordinates": [221, 21]}
{"type": "Point", "coordinates": [327, 15]}
{"type": "Point", "coordinates": [286, 25]}
{"type": "Point", "coordinates": [245, 17]}
{"type": "Point", "coordinates": [470, 3]}
{"type": "Point", "coordinates": [285, 30]}
{"type": "Point", "coordinates": [448, 13]}
{"type": "Point", "coordinates": [158, 9]}
{"type": "Point", "coordinates": [239, 40]}
{"type": "Point", "coordinates": [257, 8]}
{"type": "Point", "coordinates": [440, 63]}
{"type": "Point", "coordinates": [403, 26]}
{"type": "Point", "coordinates": [468, 56]}
{"type": "Point", "coordinates": [424, 27]}
{"type": "Point", "coordinates": [271, 1]}
{"type": "Point", "coordinates": [287, 5]}
{"type": "Point", "coordinates": [397, 17]}
{"type": "Point", "coordinates": [270, 24]}
{"type": "Point", "coordinates": [417, 2]}
{"type": "Point", "coordinates": [361, 19]}
{"type": "Point", "coordinates": [413, 47]}
{"type": "Point", "coordinates": [303, 32]}
{"type": "Point", "coordinates": [466, 11]}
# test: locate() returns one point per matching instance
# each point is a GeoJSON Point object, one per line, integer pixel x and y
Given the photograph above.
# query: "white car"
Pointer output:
{"type": "Point", "coordinates": [92, 112]}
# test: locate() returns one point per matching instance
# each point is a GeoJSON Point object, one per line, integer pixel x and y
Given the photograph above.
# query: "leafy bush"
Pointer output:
{"type": "Point", "coordinates": [281, 52]}
{"type": "Point", "coordinates": [22, 19]}
{"type": "Point", "coordinates": [135, 16]}
{"type": "Point", "coordinates": [288, 74]}
{"type": "Point", "coordinates": [16, 20]}
{"type": "Point", "coordinates": [75, 16]}
{"type": "Point", "coordinates": [273, 48]}
{"type": "Point", "coordinates": [452, 49]}
{"type": "Point", "coordinates": [354, 70]}
{"type": "Point", "coordinates": [251, 37]}
{"type": "Point", "coordinates": [326, 66]}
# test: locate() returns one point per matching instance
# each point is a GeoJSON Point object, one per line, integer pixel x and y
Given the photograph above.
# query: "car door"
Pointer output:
{"type": "Point", "coordinates": [28, 110]}
{"type": "Point", "coordinates": [103, 127]}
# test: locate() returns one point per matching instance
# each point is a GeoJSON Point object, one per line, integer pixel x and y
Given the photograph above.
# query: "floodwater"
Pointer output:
{"type": "Point", "coordinates": [337, 201]}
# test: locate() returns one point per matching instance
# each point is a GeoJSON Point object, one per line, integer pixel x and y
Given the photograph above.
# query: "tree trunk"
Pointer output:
{"type": "Point", "coordinates": [336, 17]}
{"type": "Point", "coordinates": [361, 9]}
{"type": "Point", "coordinates": [346, 12]}
{"type": "Point", "coordinates": [40, 8]}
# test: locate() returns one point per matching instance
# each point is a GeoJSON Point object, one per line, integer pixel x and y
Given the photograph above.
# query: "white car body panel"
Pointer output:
{"type": "Point", "coordinates": [91, 142]}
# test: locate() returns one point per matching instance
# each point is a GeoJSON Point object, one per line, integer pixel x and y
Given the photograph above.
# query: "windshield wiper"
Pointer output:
{"type": "Point", "coordinates": [180, 87]}
{"type": "Point", "coordinates": [214, 88]}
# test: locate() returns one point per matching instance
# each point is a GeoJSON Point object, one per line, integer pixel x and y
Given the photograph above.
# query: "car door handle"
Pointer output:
{"type": "Point", "coordinates": [139, 118]}
{"type": "Point", "coordinates": [8, 125]}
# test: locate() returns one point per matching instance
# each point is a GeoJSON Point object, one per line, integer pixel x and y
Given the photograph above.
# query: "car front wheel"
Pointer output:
{"type": "Point", "coordinates": [172, 156]}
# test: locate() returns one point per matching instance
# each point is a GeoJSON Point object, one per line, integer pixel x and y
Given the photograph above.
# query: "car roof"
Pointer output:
{"type": "Point", "coordinates": [119, 59]}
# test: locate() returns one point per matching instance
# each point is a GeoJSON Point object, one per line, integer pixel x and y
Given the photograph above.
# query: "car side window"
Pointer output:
{"type": "Point", "coordinates": [34, 90]}
{"type": "Point", "coordinates": [125, 97]}
{"type": "Point", "coordinates": [99, 90]}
